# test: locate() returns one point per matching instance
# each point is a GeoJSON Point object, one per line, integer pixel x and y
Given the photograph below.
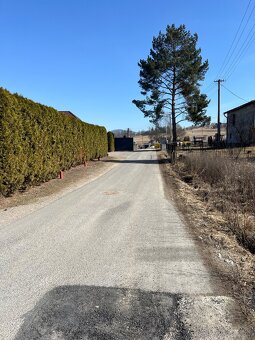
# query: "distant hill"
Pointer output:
{"type": "Point", "coordinates": [121, 133]}
{"type": "Point", "coordinates": [118, 132]}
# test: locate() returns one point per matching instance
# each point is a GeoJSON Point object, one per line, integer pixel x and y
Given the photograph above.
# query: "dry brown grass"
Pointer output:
{"type": "Point", "coordinates": [215, 221]}
{"type": "Point", "coordinates": [228, 184]}
{"type": "Point", "coordinates": [203, 131]}
{"type": "Point", "coordinates": [140, 139]}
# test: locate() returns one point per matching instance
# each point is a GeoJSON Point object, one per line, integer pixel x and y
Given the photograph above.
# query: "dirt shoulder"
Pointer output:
{"type": "Point", "coordinates": [217, 243]}
{"type": "Point", "coordinates": [23, 203]}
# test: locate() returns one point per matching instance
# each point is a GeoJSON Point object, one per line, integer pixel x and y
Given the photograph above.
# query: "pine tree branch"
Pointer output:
{"type": "Point", "coordinates": [166, 85]}
{"type": "Point", "coordinates": [182, 120]}
{"type": "Point", "coordinates": [179, 114]}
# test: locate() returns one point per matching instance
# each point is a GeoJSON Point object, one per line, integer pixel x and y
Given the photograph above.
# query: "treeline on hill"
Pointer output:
{"type": "Point", "coordinates": [37, 141]}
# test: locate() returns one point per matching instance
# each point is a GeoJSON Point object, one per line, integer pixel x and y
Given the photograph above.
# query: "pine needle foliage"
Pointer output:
{"type": "Point", "coordinates": [37, 141]}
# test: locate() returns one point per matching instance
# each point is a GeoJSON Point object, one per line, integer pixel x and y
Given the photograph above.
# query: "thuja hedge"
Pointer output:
{"type": "Point", "coordinates": [37, 141]}
{"type": "Point", "coordinates": [111, 146]}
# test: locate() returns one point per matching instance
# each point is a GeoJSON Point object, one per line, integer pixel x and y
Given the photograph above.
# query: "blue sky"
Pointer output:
{"type": "Point", "coordinates": [82, 55]}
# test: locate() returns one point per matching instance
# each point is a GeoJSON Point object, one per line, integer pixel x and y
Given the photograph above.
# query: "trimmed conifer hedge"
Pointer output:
{"type": "Point", "coordinates": [111, 146]}
{"type": "Point", "coordinates": [37, 141]}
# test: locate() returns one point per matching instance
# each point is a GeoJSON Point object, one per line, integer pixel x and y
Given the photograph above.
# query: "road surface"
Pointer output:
{"type": "Point", "coordinates": [111, 260]}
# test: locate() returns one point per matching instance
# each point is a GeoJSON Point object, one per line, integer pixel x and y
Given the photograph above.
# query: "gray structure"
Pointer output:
{"type": "Point", "coordinates": [241, 125]}
{"type": "Point", "coordinates": [124, 144]}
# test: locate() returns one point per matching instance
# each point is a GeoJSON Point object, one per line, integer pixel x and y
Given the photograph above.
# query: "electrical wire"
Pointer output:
{"type": "Point", "coordinates": [236, 45]}
{"type": "Point", "coordinates": [209, 87]}
{"type": "Point", "coordinates": [213, 89]}
{"type": "Point", "coordinates": [246, 45]}
{"type": "Point", "coordinates": [234, 94]}
{"type": "Point", "coordinates": [226, 59]}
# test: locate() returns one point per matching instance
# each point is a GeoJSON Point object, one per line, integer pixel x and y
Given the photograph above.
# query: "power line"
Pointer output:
{"type": "Point", "coordinates": [247, 21]}
{"type": "Point", "coordinates": [209, 87]}
{"type": "Point", "coordinates": [211, 90]}
{"type": "Point", "coordinates": [234, 94]}
{"type": "Point", "coordinates": [242, 49]}
{"type": "Point", "coordinates": [245, 46]}
{"type": "Point", "coordinates": [226, 60]}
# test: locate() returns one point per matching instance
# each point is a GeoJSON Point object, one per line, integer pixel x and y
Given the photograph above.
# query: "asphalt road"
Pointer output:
{"type": "Point", "coordinates": [111, 260]}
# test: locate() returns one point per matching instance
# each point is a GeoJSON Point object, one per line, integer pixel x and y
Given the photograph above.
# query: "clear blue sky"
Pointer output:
{"type": "Point", "coordinates": [82, 55]}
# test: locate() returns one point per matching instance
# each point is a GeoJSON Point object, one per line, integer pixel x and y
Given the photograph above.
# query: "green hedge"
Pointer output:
{"type": "Point", "coordinates": [37, 141]}
{"type": "Point", "coordinates": [110, 137]}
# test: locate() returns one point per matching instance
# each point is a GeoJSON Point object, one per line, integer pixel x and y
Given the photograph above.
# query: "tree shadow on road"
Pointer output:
{"type": "Point", "coordinates": [134, 161]}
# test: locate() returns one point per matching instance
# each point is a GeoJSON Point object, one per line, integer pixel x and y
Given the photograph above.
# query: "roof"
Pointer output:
{"type": "Point", "coordinates": [69, 114]}
{"type": "Point", "coordinates": [240, 107]}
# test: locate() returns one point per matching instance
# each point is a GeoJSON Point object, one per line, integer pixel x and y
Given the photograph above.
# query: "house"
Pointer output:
{"type": "Point", "coordinates": [69, 114]}
{"type": "Point", "coordinates": [241, 125]}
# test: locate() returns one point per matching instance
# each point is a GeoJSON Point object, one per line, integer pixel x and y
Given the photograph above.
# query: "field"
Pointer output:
{"type": "Point", "coordinates": [203, 132]}
{"type": "Point", "coordinates": [199, 132]}
{"type": "Point", "coordinates": [140, 139]}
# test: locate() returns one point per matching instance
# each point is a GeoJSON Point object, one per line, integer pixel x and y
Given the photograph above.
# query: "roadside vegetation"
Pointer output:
{"type": "Point", "coordinates": [37, 142]}
{"type": "Point", "coordinates": [215, 190]}
{"type": "Point", "coordinates": [229, 185]}
{"type": "Point", "coordinates": [110, 138]}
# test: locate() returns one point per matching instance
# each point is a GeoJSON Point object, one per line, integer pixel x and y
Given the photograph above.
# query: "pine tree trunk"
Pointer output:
{"type": "Point", "coordinates": [174, 142]}
{"type": "Point", "coordinates": [174, 129]}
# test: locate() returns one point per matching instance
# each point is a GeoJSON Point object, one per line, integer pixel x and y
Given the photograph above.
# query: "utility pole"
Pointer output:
{"type": "Point", "coordinates": [219, 81]}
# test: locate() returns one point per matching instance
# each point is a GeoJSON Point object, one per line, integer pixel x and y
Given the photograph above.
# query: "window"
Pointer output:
{"type": "Point", "coordinates": [233, 119]}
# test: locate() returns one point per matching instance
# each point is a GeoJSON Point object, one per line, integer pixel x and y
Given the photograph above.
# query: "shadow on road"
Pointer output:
{"type": "Point", "coordinates": [134, 161]}
{"type": "Point", "coordinates": [88, 312]}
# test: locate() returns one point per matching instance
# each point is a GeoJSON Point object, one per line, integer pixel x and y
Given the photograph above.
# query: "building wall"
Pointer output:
{"type": "Point", "coordinates": [241, 126]}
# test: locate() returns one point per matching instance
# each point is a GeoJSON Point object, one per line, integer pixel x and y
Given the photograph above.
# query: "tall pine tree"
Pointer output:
{"type": "Point", "coordinates": [170, 79]}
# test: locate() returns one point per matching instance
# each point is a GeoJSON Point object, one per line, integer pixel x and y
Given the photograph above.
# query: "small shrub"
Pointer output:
{"type": "Point", "coordinates": [110, 138]}
{"type": "Point", "coordinates": [157, 145]}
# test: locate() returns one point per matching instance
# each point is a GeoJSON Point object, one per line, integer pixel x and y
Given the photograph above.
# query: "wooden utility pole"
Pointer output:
{"type": "Point", "coordinates": [218, 120]}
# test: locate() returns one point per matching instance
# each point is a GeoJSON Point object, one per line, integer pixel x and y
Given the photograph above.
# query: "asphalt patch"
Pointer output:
{"type": "Point", "coordinates": [87, 312]}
